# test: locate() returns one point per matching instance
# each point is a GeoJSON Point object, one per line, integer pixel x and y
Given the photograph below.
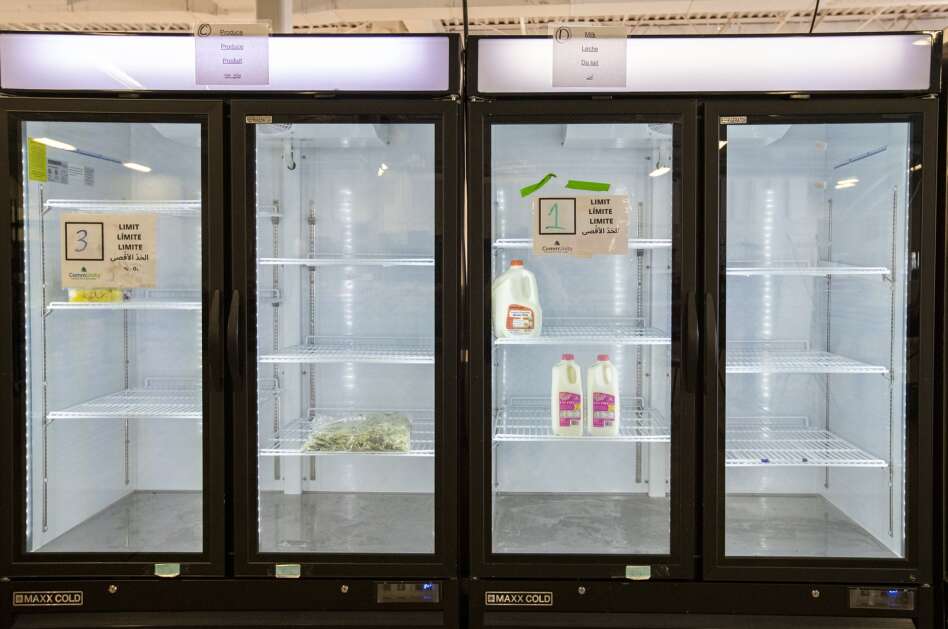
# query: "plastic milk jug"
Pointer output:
{"type": "Point", "coordinates": [602, 398]}
{"type": "Point", "coordinates": [516, 302]}
{"type": "Point", "coordinates": [567, 398]}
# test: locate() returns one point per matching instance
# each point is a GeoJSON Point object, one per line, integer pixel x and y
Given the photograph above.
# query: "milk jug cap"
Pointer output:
{"type": "Point", "coordinates": [602, 357]}
{"type": "Point", "coordinates": [568, 357]}
{"type": "Point", "coordinates": [516, 262]}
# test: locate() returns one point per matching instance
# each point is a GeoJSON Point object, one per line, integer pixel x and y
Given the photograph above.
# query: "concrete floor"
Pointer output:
{"type": "Point", "coordinates": [523, 523]}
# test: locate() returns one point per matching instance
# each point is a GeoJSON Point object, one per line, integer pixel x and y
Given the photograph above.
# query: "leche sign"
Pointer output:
{"type": "Point", "coordinates": [108, 250]}
{"type": "Point", "coordinates": [581, 226]}
{"type": "Point", "coordinates": [232, 54]}
{"type": "Point", "coordinates": [589, 56]}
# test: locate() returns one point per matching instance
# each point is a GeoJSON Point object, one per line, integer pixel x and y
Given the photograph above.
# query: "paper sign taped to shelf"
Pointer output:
{"type": "Point", "coordinates": [232, 54]}
{"type": "Point", "coordinates": [589, 56]}
{"type": "Point", "coordinates": [108, 250]}
{"type": "Point", "coordinates": [581, 226]}
{"type": "Point", "coordinates": [36, 160]}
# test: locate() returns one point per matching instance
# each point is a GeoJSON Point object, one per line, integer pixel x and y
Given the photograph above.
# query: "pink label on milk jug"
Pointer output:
{"type": "Point", "coordinates": [604, 409]}
{"type": "Point", "coordinates": [570, 412]}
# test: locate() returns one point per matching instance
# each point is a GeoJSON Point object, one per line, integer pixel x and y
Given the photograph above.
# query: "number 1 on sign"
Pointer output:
{"type": "Point", "coordinates": [555, 213]}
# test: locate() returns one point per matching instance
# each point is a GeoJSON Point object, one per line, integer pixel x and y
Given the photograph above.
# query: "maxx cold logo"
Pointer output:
{"type": "Point", "coordinates": [48, 599]}
{"type": "Point", "coordinates": [518, 599]}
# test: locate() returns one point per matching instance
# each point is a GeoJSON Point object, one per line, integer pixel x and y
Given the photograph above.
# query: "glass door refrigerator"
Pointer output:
{"type": "Point", "coordinates": [792, 288]}
{"type": "Point", "coordinates": [253, 382]}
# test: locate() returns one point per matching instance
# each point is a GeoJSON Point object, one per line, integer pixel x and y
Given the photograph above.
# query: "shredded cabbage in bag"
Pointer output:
{"type": "Point", "coordinates": [371, 432]}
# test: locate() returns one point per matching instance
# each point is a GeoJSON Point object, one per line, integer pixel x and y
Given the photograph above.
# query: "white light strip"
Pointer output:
{"type": "Point", "coordinates": [136, 166]}
{"type": "Point", "coordinates": [834, 63]}
{"type": "Point", "coordinates": [77, 62]}
{"type": "Point", "coordinates": [56, 144]}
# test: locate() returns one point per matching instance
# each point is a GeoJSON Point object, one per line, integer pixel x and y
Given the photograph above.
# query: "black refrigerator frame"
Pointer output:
{"type": "Point", "coordinates": [13, 560]}
{"type": "Point", "coordinates": [446, 114]}
{"type": "Point", "coordinates": [707, 469]}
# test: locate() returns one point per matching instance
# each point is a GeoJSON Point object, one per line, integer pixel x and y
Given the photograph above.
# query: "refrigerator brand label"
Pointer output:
{"type": "Point", "coordinates": [231, 54]}
{"type": "Point", "coordinates": [518, 599]}
{"type": "Point", "coordinates": [108, 250]}
{"type": "Point", "coordinates": [47, 599]}
{"type": "Point", "coordinates": [589, 56]}
{"type": "Point", "coordinates": [733, 120]}
{"type": "Point", "coordinates": [581, 226]}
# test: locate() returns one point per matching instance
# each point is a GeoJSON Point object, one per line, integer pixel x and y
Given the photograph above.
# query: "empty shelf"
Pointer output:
{"type": "Point", "coordinates": [801, 268]}
{"type": "Point", "coordinates": [634, 243]}
{"type": "Point", "coordinates": [529, 419]}
{"type": "Point", "coordinates": [130, 304]}
{"type": "Point", "coordinates": [589, 331]}
{"type": "Point", "coordinates": [290, 440]}
{"type": "Point", "coordinates": [185, 207]}
{"type": "Point", "coordinates": [794, 361]}
{"type": "Point", "coordinates": [347, 261]}
{"type": "Point", "coordinates": [809, 448]}
{"type": "Point", "coordinates": [341, 349]}
{"type": "Point", "coordinates": [137, 403]}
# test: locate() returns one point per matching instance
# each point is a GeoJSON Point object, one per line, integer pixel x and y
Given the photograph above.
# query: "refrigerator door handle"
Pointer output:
{"type": "Point", "coordinates": [711, 333]}
{"type": "Point", "coordinates": [692, 343]}
{"type": "Point", "coordinates": [233, 337]}
{"type": "Point", "coordinates": [214, 340]}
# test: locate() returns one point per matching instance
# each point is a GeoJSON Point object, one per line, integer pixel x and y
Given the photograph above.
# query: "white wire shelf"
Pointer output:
{"type": "Point", "coordinates": [528, 419]}
{"type": "Point", "coordinates": [137, 403]}
{"type": "Point", "coordinates": [130, 304]}
{"type": "Point", "coordinates": [289, 441]}
{"type": "Point", "coordinates": [178, 207]}
{"type": "Point", "coordinates": [591, 331]}
{"type": "Point", "coordinates": [634, 243]}
{"type": "Point", "coordinates": [795, 361]}
{"type": "Point", "coordinates": [785, 447]}
{"type": "Point", "coordinates": [341, 260]}
{"type": "Point", "coordinates": [341, 349]}
{"type": "Point", "coordinates": [801, 268]}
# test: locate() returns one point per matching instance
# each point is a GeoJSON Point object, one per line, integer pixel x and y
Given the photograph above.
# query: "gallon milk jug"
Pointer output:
{"type": "Point", "coordinates": [602, 398]}
{"type": "Point", "coordinates": [566, 400]}
{"type": "Point", "coordinates": [516, 303]}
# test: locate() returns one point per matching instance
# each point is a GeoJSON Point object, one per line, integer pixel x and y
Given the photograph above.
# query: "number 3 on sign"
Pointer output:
{"type": "Point", "coordinates": [84, 241]}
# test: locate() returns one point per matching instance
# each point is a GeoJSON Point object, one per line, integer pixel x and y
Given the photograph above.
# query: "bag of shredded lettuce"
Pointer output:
{"type": "Point", "coordinates": [369, 432]}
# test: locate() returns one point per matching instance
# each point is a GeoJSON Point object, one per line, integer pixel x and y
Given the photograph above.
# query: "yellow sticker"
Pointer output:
{"type": "Point", "coordinates": [36, 156]}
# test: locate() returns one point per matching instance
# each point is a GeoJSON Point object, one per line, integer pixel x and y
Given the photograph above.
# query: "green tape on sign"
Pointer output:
{"type": "Point", "coordinates": [528, 190]}
{"type": "Point", "coordinates": [593, 186]}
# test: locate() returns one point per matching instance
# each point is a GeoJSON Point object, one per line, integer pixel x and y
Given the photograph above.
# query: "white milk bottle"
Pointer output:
{"type": "Point", "coordinates": [566, 400]}
{"type": "Point", "coordinates": [602, 398]}
{"type": "Point", "coordinates": [516, 303]}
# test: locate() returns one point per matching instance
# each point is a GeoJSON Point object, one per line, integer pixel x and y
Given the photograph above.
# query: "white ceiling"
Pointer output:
{"type": "Point", "coordinates": [486, 16]}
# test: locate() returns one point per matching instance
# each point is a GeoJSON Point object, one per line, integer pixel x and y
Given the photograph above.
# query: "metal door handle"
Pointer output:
{"type": "Point", "coordinates": [692, 343]}
{"type": "Point", "coordinates": [711, 332]}
{"type": "Point", "coordinates": [233, 337]}
{"type": "Point", "coordinates": [215, 356]}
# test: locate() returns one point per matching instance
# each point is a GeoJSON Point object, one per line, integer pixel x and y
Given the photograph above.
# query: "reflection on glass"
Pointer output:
{"type": "Point", "coordinates": [345, 241]}
{"type": "Point", "coordinates": [588, 487]}
{"type": "Point", "coordinates": [816, 252]}
{"type": "Point", "coordinates": [113, 337]}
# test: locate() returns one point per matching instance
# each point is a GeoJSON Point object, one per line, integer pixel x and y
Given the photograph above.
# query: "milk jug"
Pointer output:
{"type": "Point", "coordinates": [566, 401]}
{"type": "Point", "coordinates": [602, 398]}
{"type": "Point", "coordinates": [516, 303]}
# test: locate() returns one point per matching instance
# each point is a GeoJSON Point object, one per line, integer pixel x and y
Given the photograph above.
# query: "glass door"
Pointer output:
{"type": "Point", "coordinates": [581, 270]}
{"type": "Point", "coordinates": [352, 277]}
{"type": "Point", "coordinates": [822, 441]}
{"type": "Point", "coordinates": [115, 308]}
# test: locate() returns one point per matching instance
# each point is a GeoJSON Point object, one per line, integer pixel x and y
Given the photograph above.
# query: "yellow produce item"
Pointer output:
{"type": "Point", "coordinates": [95, 294]}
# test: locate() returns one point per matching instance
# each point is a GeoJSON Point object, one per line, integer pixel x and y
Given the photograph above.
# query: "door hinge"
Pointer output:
{"type": "Point", "coordinates": [167, 570]}
{"type": "Point", "coordinates": [287, 571]}
{"type": "Point", "coordinates": [638, 573]}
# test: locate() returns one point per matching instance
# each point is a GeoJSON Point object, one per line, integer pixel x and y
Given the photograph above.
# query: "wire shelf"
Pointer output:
{"type": "Point", "coordinates": [591, 331]}
{"type": "Point", "coordinates": [754, 447]}
{"type": "Point", "coordinates": [528, 419]}
{"type": "Point", "coordinates": [341, 349]}
{"type": "Point", "coordinates": [634, 243]}
{"type": "Point", "coordinates": [137, 403]}
{"type": "Point", "coordinates": [130, 304]}
{"type": "Point", "coordinates": [795, 361]}
{"type": "Point", "coordinates": [179, 207]}
{"type": "Point", "coordinates": [289, 440]}
{"type": "Point", "coordinates": [802, 268]}
{"type": "Point", "coordinates": [341, 260]}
